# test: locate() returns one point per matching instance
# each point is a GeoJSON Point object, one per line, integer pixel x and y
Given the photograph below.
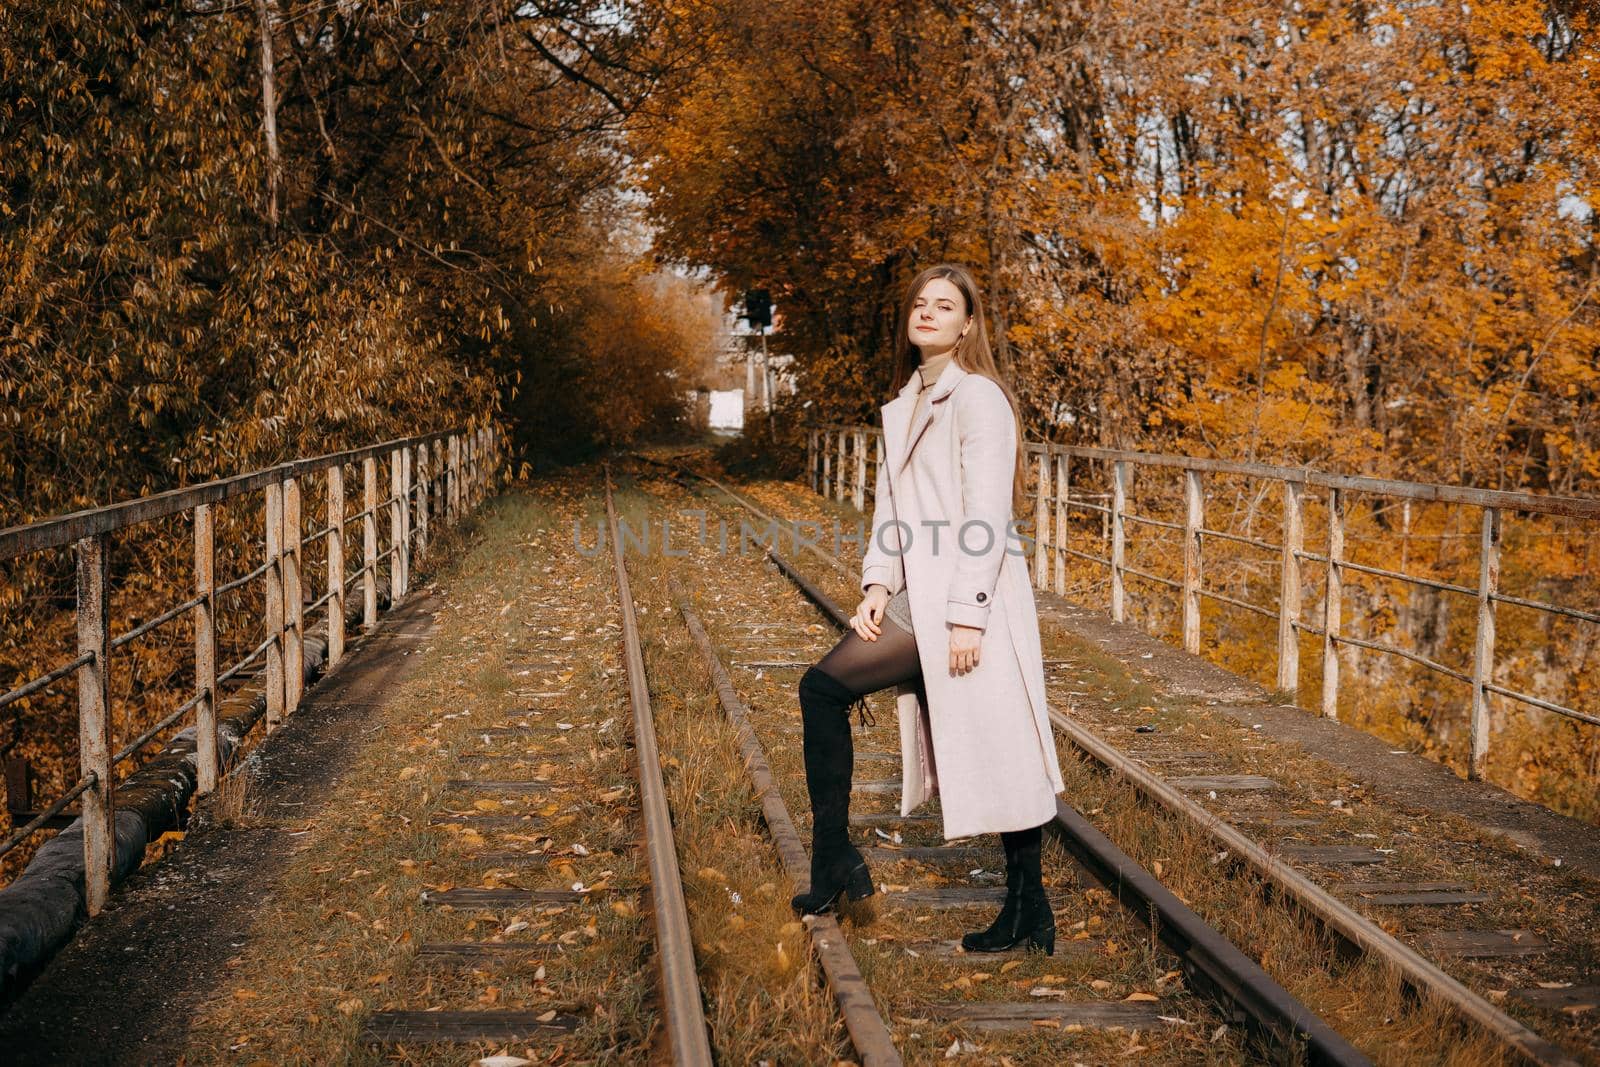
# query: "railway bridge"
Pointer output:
{"type": "Point", "coordinates": [461, 766]}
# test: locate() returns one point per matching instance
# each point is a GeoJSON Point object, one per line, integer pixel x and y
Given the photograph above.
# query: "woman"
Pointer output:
{"type": "Point", "coordinates": [948, 619]}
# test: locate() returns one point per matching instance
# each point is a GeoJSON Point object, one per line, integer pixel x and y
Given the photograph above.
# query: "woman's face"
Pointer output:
{"type": "Point", "coordinates": [938, 317]}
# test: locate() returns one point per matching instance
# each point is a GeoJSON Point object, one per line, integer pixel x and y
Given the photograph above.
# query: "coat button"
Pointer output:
{"type": "Point", "coordinates": [982, 597]}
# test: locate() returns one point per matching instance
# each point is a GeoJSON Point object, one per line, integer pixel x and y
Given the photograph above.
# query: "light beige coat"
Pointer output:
{"type": "Point", "coordinates": [982, 741]}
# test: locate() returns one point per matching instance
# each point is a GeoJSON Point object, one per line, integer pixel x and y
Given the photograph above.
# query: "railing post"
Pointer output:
{"type": "Point", "coordinates": [861, 470]}
{"type": "Point", "coordinates": [422, 469]}
{"type": "Point", "coordinates": [294, 652]}
{"type": "Point", "coordinates": [1289, 589]}
{"type": "Point", "coordinates": [453, 488]}
{"type": "Point", "coordinates": [441, 480]}
{"type": "Point", "coordinates": [1483, 649]}
{"type": "Point", "coordinates": [275, 650]}
{"type": "Point", "coordinates": [492, 444]}
{"type": "Point", "coordinates": [838, 493]}
{"type": "Point", "coordinates": [369, 544]}
{"type": "Point", "coordinates": [1063, 494]}
{"type": "Point", "coordinates": [335, 564]}
{"type": "Point", "coordinates": [828, 463]}
{"type": "Point", "coordinates": [1193, 520]}
{"type": "Point", "coordinates": [407, 503]}
{"type": "Point", "coordinates": [446, 444]}
{"type": "Point", "coordinates": [205, 651]}
{"type": "Point", "coordinates": [1040, 521]}
{"type": "Point", "coordinates": [811, 457]}
{"type": "Point", "coordinates": [1331, 605]}
{"type": "Point", "coordinates": [397, 531]}
{"type": "Point", "coordinates": [94, 720]}
{"type": "Point", "coordinates": [1119, 538]}
{"type": "Point", "coordinates": [475, 479]}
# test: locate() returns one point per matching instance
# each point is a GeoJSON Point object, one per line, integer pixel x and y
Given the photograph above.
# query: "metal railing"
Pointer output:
{"type": "Point", "coordinates": [837, 466]}
{"type": "Point", "coordinates": [451, 468]}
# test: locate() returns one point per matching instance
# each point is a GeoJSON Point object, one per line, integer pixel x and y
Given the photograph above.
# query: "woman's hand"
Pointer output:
{"type": "Point", "coordinates": [964, 643]}
{"type": "Point", "coordinates": [867, 622]}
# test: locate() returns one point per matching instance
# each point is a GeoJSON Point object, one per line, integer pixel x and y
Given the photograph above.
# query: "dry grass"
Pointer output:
{"type": "Point", "coordinates": [234, 803]}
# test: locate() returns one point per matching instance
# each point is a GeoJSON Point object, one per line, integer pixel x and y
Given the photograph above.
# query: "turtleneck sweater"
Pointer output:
{"type": "Point", "coordinates": [932, 368]}
{"type": "Point", "coordinates": [930, 371]}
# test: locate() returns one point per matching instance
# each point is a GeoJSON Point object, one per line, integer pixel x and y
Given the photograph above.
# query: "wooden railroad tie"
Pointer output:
{"type": "Point", "coordinates": [952, 950]}
{"type": "Point", "coordinates": [966, 857]}
{"type": "Point", "coordinates": [1092, 1014]}
{"type": "Point", "coordinates": [470, 897]}
{"type": "Point", "coordinates": [498, 786]}
{"type": "Point", "coordinates": [477, 953]}
{"type": "Point", "coordinates": [489, 822]}
{"type": "Point", "coordinates": [389, 1027]}
{"type": "Point", "coordinates": [1413, 894]}
{"type": "Point", "coordinates": [1333, 854]}
{"type": "Point", "coordinates": [1485, 944]}
{"type": "Point", "coordinates": [889, 818]}
{"type": "Point", "coordinates": [946, 897]}
{"type": "Point", "coordinates": [1224, 783]}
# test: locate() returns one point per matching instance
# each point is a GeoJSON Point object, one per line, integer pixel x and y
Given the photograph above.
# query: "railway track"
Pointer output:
{"type": "Point", "coordinates": [1137, 972]}
{"type": "Point", "coordinates": [1244, 992]}
{"type": "Point", "coordinates": [683, 1037]}
{"type": "Point", "coordinates": [1239, 989]}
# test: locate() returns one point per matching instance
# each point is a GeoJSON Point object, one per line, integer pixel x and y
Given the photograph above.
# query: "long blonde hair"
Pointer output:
{"type": "Point", "coordinates": [971, 354]}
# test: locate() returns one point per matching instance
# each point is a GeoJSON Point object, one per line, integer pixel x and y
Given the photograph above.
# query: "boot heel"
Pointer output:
{"type": "Point", "coordinates": [858, 886]}
{"type": "Point", "coordinates": [1044, 940]}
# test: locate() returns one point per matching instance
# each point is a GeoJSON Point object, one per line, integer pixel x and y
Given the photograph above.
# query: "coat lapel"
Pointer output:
{"type": "Point", "coordinates": [899, 438]}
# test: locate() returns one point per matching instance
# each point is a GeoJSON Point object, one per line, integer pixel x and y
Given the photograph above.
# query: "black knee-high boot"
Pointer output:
{"type": "Point", "coordinates": [837, 867]}
{"type": "Point", "coordinates": [1026, 914]}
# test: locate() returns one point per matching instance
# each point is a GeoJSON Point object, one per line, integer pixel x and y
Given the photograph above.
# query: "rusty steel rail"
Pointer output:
{"type": "Point", "coordinates": [868, 1032]}
{"type": "Point", "coordinates": [680, 981]}
{"type": "Point", "coordinates": [1055, 500]}
{"type": "Point", "coordinates": [1335, 916]}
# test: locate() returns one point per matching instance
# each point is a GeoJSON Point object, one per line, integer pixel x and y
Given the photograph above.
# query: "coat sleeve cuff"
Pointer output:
{"type": "Point", "coordinates": [877, 574]}
{"type": "Point", "coordinates": [967, 613]}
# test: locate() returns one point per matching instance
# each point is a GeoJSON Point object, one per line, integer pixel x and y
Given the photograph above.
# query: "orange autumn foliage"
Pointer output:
{"type": "Point", "coordinates": [1359, 237]}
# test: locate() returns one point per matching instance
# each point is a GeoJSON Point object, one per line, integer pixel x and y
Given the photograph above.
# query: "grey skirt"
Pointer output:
{"type": "Point", "coordinates": [899, 609]}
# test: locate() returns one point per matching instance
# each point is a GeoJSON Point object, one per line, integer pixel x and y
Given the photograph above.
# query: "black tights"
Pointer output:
{"type": "Point", "coordinates": [867, 666]}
